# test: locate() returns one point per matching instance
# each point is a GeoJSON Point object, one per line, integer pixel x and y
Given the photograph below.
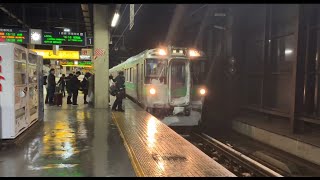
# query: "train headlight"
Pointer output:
{"type": "Point", "coordinates": [162, 52]}
{"type": "Point", "coordinates": [193, 53]}
{"type": "Point", "coordinates": [202, 91]}
{"type": "Point", "coordinates": [152, 91]}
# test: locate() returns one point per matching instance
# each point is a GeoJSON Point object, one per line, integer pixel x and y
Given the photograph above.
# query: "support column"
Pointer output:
{"type": "Point", "coordinates": [31, 46]}
{"type": "Point", "coordinates": [101, 64]}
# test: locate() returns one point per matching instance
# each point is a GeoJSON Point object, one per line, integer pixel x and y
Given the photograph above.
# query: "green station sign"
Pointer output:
{"type": "Point", "coordinates": [63, 38]}
{"type": "Point", "coordinates": [75, 63]}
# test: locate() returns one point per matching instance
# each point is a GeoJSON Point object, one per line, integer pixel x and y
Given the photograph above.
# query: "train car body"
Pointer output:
{"type": "Point", "coordinates": [161, 80]}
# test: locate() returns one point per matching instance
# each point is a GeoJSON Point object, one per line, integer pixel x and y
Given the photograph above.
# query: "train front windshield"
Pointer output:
{"type": "Point", "coordinates": [198, 72]}
{"type": "Point", "coordinates": [156, 71]}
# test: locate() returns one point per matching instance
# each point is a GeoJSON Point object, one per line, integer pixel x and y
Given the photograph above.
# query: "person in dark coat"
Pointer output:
{"type": "Point", "coordinates": [119, 81]}
{"type": "Point", "coordinates": [85, 87]}
{"type": "Point", "coordinates": [68, 88]}
{"type": "Point", "coordinates": [75, 86]}
{"type": "Point", "coordinates": [62, 84]}
{"type": "Point", "coordinates": [51, 86]}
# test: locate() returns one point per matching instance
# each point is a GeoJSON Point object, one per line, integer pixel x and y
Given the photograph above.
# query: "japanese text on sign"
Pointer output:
{"type": "Point", "coordinates": [64, 38]}
{"type": "Point", "coordinates": [14, 35]}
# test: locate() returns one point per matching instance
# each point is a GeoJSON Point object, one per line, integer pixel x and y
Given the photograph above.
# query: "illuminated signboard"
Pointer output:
{"type": "Point", "coordinates": [63, 38]}
{"type": "Point", "coordinates": [20, 36]}
{"type": "Point", "coordinates": [48, 54]}
{"type": "Point", "coordinates": [76, 63]}
{"type": "Point", "coordinates": [1, 77]}
{"type": "Point", "coordinates": [85, 57]}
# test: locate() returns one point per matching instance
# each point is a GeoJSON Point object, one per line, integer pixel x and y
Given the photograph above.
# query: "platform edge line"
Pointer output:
{"type": "Point", "coordinates": [134, 161]}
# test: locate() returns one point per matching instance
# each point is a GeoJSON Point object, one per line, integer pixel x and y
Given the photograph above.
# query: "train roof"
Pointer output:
{"type": "Point", "coordinates": [149, 53]}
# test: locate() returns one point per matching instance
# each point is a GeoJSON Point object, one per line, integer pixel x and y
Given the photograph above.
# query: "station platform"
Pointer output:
{"type": "Point", "coordinates": [275, 132]}
{"type": "Point", "coordinates": [82, 141]}
{"type": "Point", "coordinates": [71, 141]}
{"type": "Point", "coordinates": [156, 150]}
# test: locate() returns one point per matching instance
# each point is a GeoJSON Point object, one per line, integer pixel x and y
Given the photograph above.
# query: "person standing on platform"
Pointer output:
{"type": "Point", "coordinates": [62, 84]}
{"type": "Point", "coordinates": [85, 87]}
{"type": "Point", "coordinates": [91, 90]}
{"type": "Point", "coordinates": [111, 83]}
{"type": "Point", "coordinates": [51, 86]}
{"type": "Point", "coordinates": [75, 86]}
{"type": "Point", "coordinates": [68, 88]}
{"type": "Point", "coordinates": [45, 83]}
{"type": "Point", "coordinates": [119, 81]}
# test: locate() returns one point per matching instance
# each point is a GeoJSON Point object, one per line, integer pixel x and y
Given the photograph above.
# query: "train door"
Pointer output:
{"type": "Point", "coordinates": [179, 82]}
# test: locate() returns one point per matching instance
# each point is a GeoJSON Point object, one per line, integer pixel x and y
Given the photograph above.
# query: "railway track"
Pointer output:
{"type": "Point", "coordinates": [236, 162]}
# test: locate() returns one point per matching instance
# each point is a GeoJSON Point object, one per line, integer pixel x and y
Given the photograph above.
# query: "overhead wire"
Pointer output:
{"type": "Point", "coordinates": [115, 45]}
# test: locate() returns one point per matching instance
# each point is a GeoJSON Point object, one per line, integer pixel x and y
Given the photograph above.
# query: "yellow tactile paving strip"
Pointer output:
{"type": "Point", "coordinates": [157, 151]}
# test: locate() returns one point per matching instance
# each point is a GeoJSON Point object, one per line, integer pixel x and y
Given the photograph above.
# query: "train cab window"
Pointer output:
{"type": "Point", "coordinates": [198, 72]}
{"type": "Point", "coordinates": [156, 71]}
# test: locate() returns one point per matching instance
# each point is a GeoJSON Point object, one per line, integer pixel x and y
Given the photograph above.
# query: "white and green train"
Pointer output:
{"type": "Point", "coordinates": [167, 80]}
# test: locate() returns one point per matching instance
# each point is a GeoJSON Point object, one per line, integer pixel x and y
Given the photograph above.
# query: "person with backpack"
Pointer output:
{"type": "Point", "coordinates": [119, 83]}
{"type": "Point", "coordinates": [62, 84]}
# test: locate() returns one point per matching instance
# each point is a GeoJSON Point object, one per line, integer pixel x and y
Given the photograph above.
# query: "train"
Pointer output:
{"type": "Point", "coordinates": [166, 80]}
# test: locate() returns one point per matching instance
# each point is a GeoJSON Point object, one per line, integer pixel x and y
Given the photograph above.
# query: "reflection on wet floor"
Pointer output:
{"type": "Point", "coordinates": [74, 142]}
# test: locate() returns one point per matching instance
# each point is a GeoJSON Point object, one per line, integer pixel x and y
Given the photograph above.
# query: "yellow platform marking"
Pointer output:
{"type": "Point", "coordinates": [134, 161]}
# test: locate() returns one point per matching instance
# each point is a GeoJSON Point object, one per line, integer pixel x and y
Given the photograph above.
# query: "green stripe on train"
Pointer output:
{"type": "Point", "coordinates": [130, 86]}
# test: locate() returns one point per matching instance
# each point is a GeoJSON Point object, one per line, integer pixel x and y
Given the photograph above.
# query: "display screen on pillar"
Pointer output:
{"type": "Point", "coordinates": [64, 38]}
{"type": "Point", "coordinates": [12, 35]}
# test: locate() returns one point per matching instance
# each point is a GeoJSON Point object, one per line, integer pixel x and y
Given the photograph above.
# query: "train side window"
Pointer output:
{"type": "Point", "coordinates": [130, 74]}
{"type": "Point", "coordinates": [127, 75]}
{"type": "Point", "coordinates": [134, 75]}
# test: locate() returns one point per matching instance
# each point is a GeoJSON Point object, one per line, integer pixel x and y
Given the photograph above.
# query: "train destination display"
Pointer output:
{"type": "Point", "coordinates": [63, 38]}
{"type": "Point", "coordinates": [19, 36]}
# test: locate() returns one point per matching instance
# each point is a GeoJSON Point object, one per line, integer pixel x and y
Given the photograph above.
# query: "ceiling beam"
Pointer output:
{"type": "Point", "coordinates": [86, 18]}
{"type": "Point", "coordinates": [13, 16]}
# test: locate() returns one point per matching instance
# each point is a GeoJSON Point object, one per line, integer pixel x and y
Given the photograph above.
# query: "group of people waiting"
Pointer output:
{"type": "Point", "coordinates": [71, 84]}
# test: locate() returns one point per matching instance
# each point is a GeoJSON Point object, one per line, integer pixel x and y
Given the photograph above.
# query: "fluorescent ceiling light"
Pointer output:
{"type": "Point", "coordinates": [66, 30]}
{"type": "Point", "coordinates": [115, 19]}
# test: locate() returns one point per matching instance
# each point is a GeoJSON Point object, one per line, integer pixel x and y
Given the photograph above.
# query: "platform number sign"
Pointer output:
{"type": "Point", "coordinates": [89, 41]}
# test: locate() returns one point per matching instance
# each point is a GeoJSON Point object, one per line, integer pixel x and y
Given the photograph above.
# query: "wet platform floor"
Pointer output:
{"type": "Point", "coordinates": [72, 141]}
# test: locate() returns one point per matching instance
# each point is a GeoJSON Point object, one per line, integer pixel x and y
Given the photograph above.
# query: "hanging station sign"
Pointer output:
{"type": "Point", "coordinates": [48, 54]}
{"type": "Point", "coordinates": [19, 36]}
{"type": "Point", "coordinates": [41, 37]}
{"type": "Point", "coordinates": [63, 38]}
{"type": "Point", "coordinates": [86, 54]}
{"type": "Point", "coordinates": [76, 63]}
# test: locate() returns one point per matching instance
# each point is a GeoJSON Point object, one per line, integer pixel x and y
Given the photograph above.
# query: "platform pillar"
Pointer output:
{"type": "Point", "coordinates": [101, 63]}
{"type": "Point", "coordinates": [31, 46]}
